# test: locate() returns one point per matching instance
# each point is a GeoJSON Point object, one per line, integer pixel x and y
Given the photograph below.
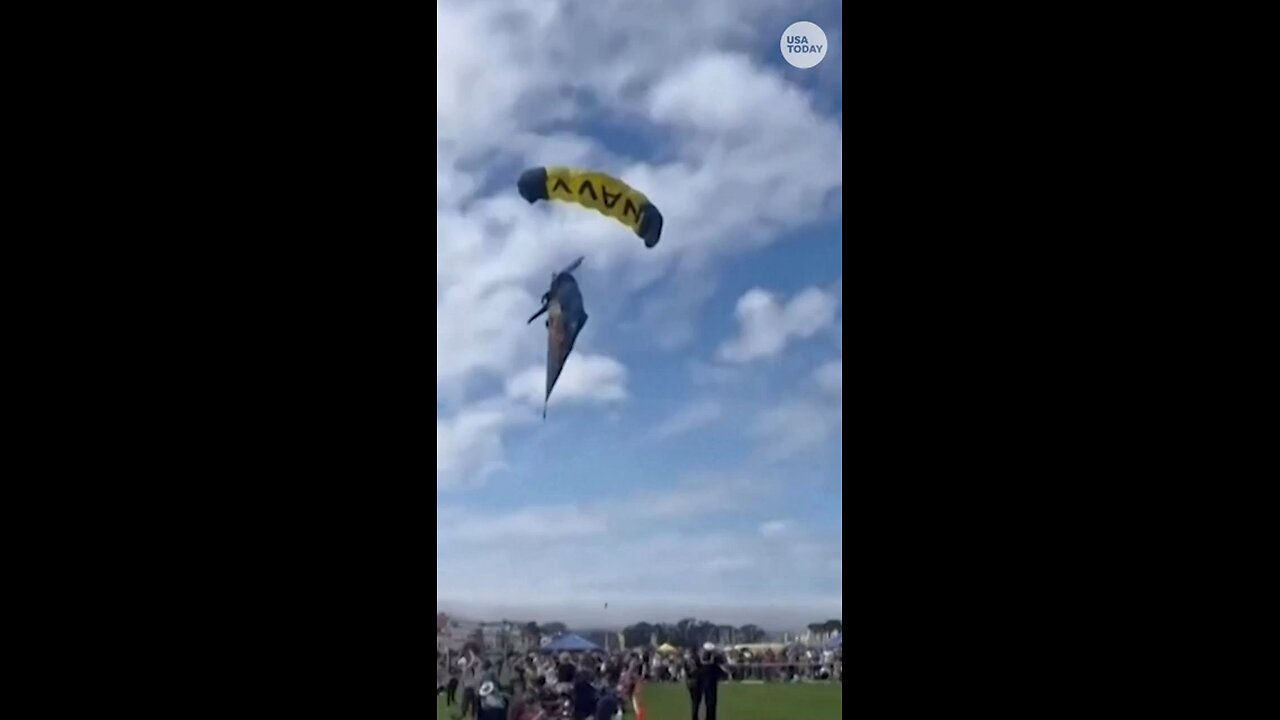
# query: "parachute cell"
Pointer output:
{"type": "Point", "coordinates": [603, 193]}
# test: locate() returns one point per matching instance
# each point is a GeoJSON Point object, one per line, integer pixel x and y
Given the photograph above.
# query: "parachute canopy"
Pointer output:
{"type": "Point", "coordinates": [603, 193]}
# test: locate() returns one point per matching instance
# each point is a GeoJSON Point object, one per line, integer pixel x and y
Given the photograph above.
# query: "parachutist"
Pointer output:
{"type": "Point", "coordinates": [566, 316]}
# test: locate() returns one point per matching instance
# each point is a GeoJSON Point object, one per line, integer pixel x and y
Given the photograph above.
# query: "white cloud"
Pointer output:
{"type": "Point", "coordinates": [794, 427]}
{"type": "Point", "coordinates": [830, 377]}
{"type": "Point", "coordinates": [585, 379]}
{"type": "Point", "coordinates": [773, 528]}
{"type": "Point", "coordinates": [691, 417]}
{"type": "Point", "coordinates": [709, 374]}
{"type": "Point", "coordinates": [639, 568]}
{"type": "Point", "coordinates": [532, 524]}
{"type": "Point", "coordinates": [469, 446]}
{"type": "Point", "coordinates": [685, 502]}
{"type": "Point", "coordinates": [765, 324]}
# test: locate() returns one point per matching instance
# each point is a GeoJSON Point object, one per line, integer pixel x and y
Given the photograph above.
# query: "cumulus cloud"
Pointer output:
{"type": "Point", "coordinates": [691, 417]}
{"type": "Point", "coordinates": [830, 377]}
{"type": "Point", "coordinates": [529, 524]}
{"type": "Point", "coordinates": [765, 324]}
{"type": "Point", "coordinates": [794, 427]}
{"type": "Point", "coordinates": [469, 446]}
{"type": "Point", "coordinates": [585, 379]}
{"type": "Point", "coordinates": [773, 528]}
{"type": "Point", "coordinates": [625, 572]}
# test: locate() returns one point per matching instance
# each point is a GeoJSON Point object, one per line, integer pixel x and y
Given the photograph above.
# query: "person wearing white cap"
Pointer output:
{"type": "Point", "coordinates": [492, 703]}
{"type": "Point", "coordinates": [711, 671]}
{"type": "Point", "coordinates": [470, 682]}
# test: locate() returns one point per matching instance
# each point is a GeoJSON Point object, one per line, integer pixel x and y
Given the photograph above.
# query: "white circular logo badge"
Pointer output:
{"type": "Point", "coordinates": [804, 44]}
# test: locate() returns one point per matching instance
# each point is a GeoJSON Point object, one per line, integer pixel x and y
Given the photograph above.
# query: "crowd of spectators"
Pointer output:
{"type": "Point", "coordinates": [599, 684]}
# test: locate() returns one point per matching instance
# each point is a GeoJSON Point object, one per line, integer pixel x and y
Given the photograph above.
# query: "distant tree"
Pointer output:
{"type": "Point", "coordinates": [691, 633]}
{"type": "Point", "coordinates": [638, 634]}
{"type": "Point", "coordinates": [554, 628]}
{"type": "Point", "coordinates": [685, 630]}
{"type": "Point", "coordinates": [826, 627]}
{"type": "Point", "coordinates": [703, 631]}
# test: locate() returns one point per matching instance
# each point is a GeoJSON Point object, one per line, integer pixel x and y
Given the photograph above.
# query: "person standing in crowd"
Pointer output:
{"type": "Point", "coordinates": [566, 671]}
{"type": "Point", "coordinates": [451, 691]}
{"type": "Point", "coordinates": [512, 676]}
{"type": "Point", "coordinates": [629, 688]}
{"type": "Point", "coordinates": [585, 696]}
{"type": "Point", "coordinates": [692, 671]}
{"type": "Point", "coordinates": [491, 703]}
{"type": "Point", "coordinates": [470, 686]}
{"type": "Point", "coordinates": [608, 705]}
{"type": "Point", "coordinates": [528, 707]}
{"type": "Point", "coordinates": [711, 671]}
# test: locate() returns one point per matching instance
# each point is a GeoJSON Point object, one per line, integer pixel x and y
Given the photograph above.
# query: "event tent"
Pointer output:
{"type": "Point", "coordinates": [569, 643]}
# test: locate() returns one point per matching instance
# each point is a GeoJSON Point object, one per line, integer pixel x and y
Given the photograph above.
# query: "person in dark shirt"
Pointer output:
{"type": "Point", "coordinates": [692, 673]}
{"type": "Point", "coordinates": [711, 672]}
{"type": "Point", "coordinates": [607, 706]}
{"type": "Point", "coordinates": [613, 672]}
{"type": "Point", "coordinates": [491, 704]}
{"type": "Point", "coordinates": [584, 695]}
{"type": "Point", "coordinates": [565, 670]}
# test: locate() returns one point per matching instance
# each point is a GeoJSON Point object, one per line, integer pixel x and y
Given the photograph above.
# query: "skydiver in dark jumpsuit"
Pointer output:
{"type": "Point", "coordinates": [564, 288]}
{"type": "Point", "coordinates": [567, 317]}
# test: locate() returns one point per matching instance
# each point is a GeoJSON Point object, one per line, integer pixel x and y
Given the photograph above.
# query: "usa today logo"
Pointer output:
{"type": "Point", "coordinates": [804, 44]}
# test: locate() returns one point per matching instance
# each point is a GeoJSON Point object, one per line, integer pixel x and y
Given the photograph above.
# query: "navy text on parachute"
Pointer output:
{"type": "Point", "coordinates": [603, 193]}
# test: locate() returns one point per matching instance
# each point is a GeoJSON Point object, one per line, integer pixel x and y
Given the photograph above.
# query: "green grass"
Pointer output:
{"type": "Point", "coordinates": [670, 701]}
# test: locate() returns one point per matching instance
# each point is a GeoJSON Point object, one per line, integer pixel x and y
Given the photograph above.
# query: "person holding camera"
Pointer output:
{"type": "Point", "coordinates": [711, 671]}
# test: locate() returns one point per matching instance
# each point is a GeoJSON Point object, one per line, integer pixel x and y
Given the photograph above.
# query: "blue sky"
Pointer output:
{"type": "Point", "coordinates": [690, 463]}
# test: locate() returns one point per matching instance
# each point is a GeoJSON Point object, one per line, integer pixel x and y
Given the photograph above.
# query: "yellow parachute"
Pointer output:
{"type": "Point", "coordinates": [603, 193]}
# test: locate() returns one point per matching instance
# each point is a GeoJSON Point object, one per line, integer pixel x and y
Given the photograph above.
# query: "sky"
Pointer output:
{"type": "Point", "coordinates": [690, 463]}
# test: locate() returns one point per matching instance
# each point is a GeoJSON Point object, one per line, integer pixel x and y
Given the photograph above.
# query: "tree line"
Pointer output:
{"type": "Point", "coordinates": [686, 633]}
{"type": "Point", "coordinates": [828, 626]}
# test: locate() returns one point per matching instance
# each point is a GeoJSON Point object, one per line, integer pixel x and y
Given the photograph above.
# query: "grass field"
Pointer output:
{"type": "Point", "coordinates": [737, 702]}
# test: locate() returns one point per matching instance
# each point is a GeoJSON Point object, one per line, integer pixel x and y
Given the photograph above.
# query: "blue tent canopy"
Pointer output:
{"type": "Point", "coordinates": [570, 643]}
